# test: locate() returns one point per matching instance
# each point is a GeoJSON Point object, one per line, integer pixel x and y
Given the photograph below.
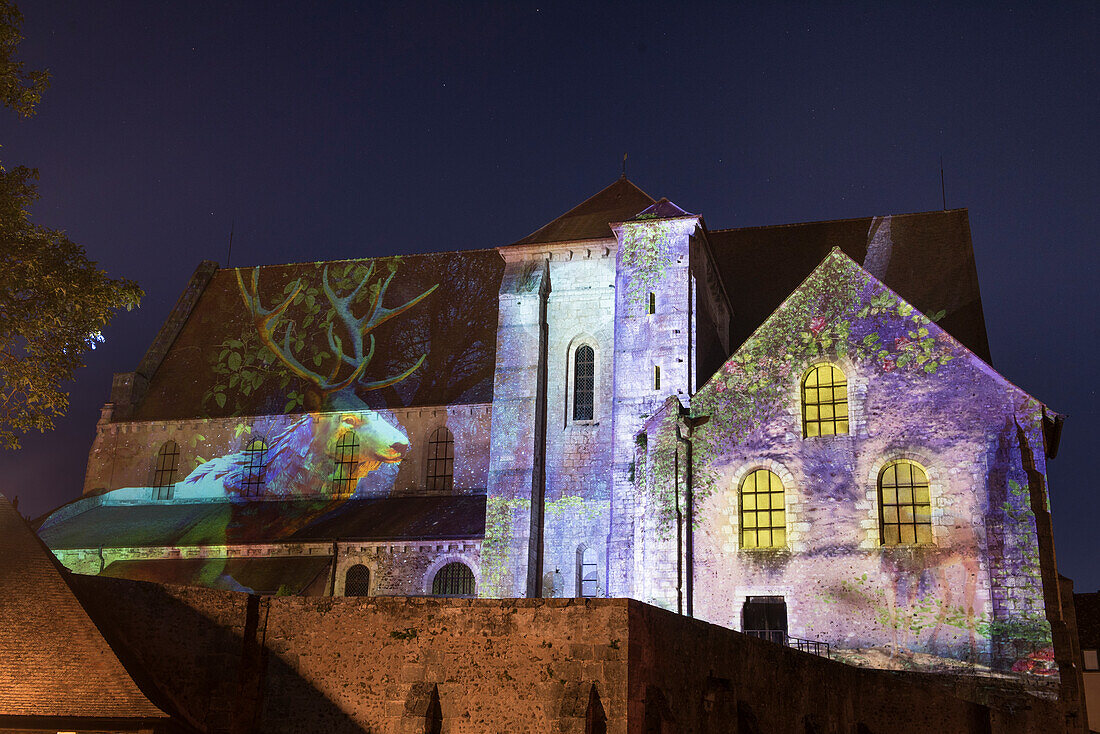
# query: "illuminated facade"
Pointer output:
{"type": "Point", "coordinates": [786, 430]}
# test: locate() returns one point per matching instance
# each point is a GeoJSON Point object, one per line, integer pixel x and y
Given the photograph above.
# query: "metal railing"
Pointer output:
{"type": "Point", "coordinates": [779, 637]}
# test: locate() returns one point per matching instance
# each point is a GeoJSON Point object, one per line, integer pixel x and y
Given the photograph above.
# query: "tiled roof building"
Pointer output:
{"type": "Point", "coordinates": [56, 669]}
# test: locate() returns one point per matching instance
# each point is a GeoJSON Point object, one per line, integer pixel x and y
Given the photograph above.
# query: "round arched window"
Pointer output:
{"type": "Point", "coordinates": [357, 581]}
{"type": "Point", "coordinates": [454, 579]}
{"type": "Point", "coordinates": [905, 504]}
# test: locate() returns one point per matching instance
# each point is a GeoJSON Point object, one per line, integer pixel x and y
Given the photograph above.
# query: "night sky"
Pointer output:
{"type": "Point", "coordinates": [359, 130]}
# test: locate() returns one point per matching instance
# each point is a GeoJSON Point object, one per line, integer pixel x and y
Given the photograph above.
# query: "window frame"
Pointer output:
{"type": "Point", "coordinates": [832, 403]}
{"type": "Point", "coordinates": [756, 510]}
{"type": "Point", "coordinates": [431, 460]}
{"type": "Point", "coordinates": [369, 579]}
{"type": "Point", "coordinates": [165, 490]}
{"type": "Point", "coordinates": [912, 486]}
{"type": "Point", "coordinates": [470, 583]}
{"type": "Point", "coordinates": [584, 552]}
{"type": "Point", "coordinates": [341, 459]}
{"type": "Point", "coordinates": [255, 477]}
{"type": "Point", "coordinates": [578, 343]}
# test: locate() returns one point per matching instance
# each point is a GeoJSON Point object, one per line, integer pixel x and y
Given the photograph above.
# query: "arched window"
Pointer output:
{"type": "Point", "coordinates": [255, 455]}
{"type": "Point", "coordinates": [164, 478]}
{"type": "Point", "coordinates": [588, 578]}
{"type": "Point", "coordinates": [357, 581]}
{"type": "Point", "coordinates": [454, 579]}
{"type": "Point", "coordinates": [905, 504]}
{"type": "Point", "coordinates": [347, 462]}
{"type": "Point", "coordinates": [824, 401]}
{"type": "Point", "coordinates": [441, 460]}
{"type": "Point", "coordinates": [763, 517]}
{"type": "Point", "coordinates": [584, 383]}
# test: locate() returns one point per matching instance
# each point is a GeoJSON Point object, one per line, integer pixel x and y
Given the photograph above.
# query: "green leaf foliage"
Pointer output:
{"type": "Point", "coordinates": [54, 301]}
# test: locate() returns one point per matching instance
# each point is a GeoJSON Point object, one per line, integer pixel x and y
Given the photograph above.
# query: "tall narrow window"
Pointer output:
{"type": "Point", "coordinates": [357, 581]}
{"type": "Point", "coordinates": [255, 455]}
{"type": "Point", "coordinates": [164, 478]}
{"type": "Point", "coordinates": [454, 579]}
{"type": "Point", "coordinates": [588, 577]}
{"type": "Point", "coordinates": [763, 517]}
{"type": "Point", "coordinates": [656, 377]}
{"type": "Point", "coordinates": [584, 383]}
{"type": "Point", "coordinates": [347, 462]}
{"type": "Point", "coordinates": [441, 460]}
{"type": "Point", "coordinates": [653, 303]}
{"type": "Point", "coordinates": [824, 401]}
{"type": "Point", "coordinates": [905, 504]}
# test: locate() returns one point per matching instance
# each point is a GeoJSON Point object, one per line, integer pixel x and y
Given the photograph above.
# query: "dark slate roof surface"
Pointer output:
{"type": "Point", "coordinates": [54, 661]}
{"type": "Point", "coordinates": [219, 523]}
{"type": "Point", "coordinates": [296, 574]}
{"type": "Point", "coordinates": [590, 219]}
{"type": "Point", "coordinates": [928, 260]}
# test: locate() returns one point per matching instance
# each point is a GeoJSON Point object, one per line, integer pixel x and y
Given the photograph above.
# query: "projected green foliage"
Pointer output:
{"type": "Point", "coordinates": [645, 254]}
{"type": "Point", "coordinates": [282, 343]}
{"type": "Point", "coordinates": [837, 314]}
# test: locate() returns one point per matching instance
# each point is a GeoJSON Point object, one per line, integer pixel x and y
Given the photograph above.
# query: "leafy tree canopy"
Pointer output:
{"type": "Point", "coordinates": [54, 301]}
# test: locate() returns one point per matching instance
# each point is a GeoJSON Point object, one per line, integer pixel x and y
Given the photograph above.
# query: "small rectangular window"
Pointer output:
{"type": "Point", "coordinates": [653, 303]}
{"type": "Point", "coordinates": [656, 377]}
{"type": "Point", "coordinates": [1091, 663]}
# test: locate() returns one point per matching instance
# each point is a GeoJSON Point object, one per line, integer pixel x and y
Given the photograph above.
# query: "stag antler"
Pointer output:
{"type": "Point", "coordinates": [358, 328]}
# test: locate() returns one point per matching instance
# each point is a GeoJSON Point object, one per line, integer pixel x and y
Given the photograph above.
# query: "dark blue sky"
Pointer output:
{"type": "Point", "coordinates": [358, 130]}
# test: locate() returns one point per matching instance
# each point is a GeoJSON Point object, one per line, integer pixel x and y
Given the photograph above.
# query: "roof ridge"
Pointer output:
{"type": "Point", "coordinates": [841, 220]}
{"type": "Point", "coordinates": [574, 225]}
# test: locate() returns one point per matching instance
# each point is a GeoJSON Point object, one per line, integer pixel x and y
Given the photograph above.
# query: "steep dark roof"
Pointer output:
{"type": "Point", "coordinates": [589, 220]}
{"type": "Point", "coordinates": [927, 258]}
{"type": "Point", "coordinates": [662, 209]}
{"type": "Point", "coordinates": [453, 328]}
{"type": "Point", "coordinates": [217, 523]}
{"type": "Point", "coordinates": [54, 661]}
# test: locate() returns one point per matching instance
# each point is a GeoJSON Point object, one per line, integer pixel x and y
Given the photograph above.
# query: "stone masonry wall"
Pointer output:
{"type": "Point", "coordinates": [124, 454]}
{"type": "Point", "coordinates": [578, 452]}
{"type": "Point", "coordinates": [230, 662]}
{"type": "Point", "coordinates": [644, 341]}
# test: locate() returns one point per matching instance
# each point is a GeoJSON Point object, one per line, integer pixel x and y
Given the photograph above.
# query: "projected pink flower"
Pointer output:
{"type": "Point", "coordinates": [889, 363]}
{"type": "Point", "coordinates": [817, 323]}
{"type": "Point", "coordinates": [900, 342]}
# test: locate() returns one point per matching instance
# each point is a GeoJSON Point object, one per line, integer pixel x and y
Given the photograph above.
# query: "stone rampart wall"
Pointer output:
{"type": "Point", "coordinates": [227, 661]}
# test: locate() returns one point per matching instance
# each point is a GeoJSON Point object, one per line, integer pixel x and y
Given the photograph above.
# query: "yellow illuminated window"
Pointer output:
{"type": "Point", "coordinates": [905, 504]}
{"type": "Point", "coordinates": [253, 480]}
{"type": "Point", "coordinates": [824, 401]}
{"type": "Point", "coordinates": [763, 518]}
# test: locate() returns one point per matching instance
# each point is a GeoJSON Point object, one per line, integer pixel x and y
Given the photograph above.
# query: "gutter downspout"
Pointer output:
{"type": "Point", "coordinates": [685, 554]}
{"type": "Point", "coordinates": [679, 526]}
{"type": "Point", "coordinates": [689, 500]}
{"type": "Point", "coordinates": [332, 575]}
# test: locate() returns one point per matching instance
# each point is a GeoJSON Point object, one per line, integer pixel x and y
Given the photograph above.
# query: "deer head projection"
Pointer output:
{"type": "Point", "coordinates": [362, 343]}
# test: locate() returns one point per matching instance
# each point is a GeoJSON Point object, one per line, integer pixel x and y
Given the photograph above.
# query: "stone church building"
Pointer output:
{"type": "Point", "coordinates": [793, 431]}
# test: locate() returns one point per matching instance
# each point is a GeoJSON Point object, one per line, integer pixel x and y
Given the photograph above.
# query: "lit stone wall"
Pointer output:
{"type": "Point", "coordinates": [974, 594]}
{"type": "Point", "coordinates": [580, 312]}
{"type": "Point", "coordinates": [301, 447]}
{"type": "Point", "coordinates": [406, 568]}
{"type": "Point", "coordinates": [652, 258]}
